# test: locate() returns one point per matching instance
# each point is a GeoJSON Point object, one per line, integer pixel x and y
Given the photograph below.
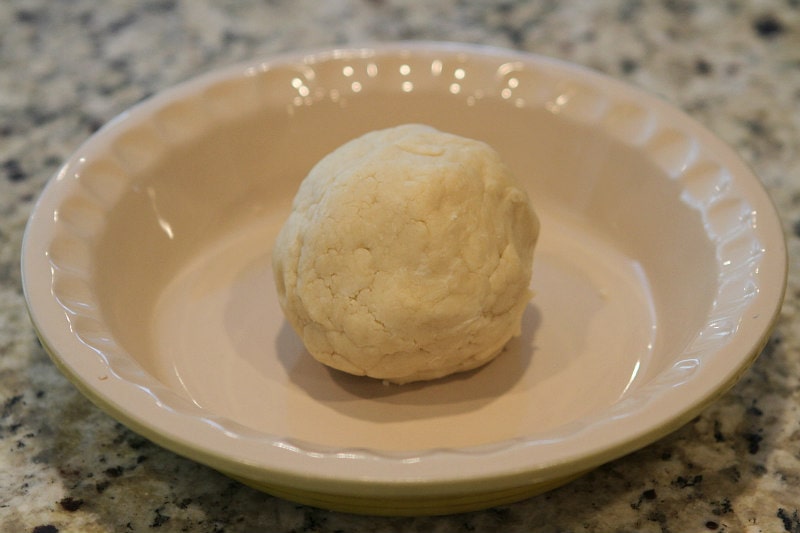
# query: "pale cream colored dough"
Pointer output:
{"type": "Point", "coordinates": [407, 255]}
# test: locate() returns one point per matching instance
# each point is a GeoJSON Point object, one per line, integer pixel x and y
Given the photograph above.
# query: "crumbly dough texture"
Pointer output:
{"type": "Point", "coordinates": [407, 255]}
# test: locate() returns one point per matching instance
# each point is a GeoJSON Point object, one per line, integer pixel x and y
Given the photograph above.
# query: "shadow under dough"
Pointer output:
{"type": "Point", "coordinates": [367, 398]}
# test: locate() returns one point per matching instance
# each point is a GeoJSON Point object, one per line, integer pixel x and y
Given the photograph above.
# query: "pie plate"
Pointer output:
{"type": "Point", "coordinates": [660, 270]}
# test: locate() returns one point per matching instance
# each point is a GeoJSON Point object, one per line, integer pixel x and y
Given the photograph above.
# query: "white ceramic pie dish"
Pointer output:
{"type": "Point", "coordinates": [660, 271]}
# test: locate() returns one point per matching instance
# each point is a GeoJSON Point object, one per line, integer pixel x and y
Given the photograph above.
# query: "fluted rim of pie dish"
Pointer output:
{"type": "Point", "coordinates": [71, 328]}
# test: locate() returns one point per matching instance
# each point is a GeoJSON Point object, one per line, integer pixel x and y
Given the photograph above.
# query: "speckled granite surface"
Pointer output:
{"type": "Point", "coordinates": [66, 67]}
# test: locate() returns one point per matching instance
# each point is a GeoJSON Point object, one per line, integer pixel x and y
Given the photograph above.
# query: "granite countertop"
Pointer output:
{"type": "Point", "coordinates": [68, 67]}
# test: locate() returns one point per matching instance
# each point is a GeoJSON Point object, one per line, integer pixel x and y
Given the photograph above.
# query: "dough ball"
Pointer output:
{"type": "Point", "coordinates": [407, 255]}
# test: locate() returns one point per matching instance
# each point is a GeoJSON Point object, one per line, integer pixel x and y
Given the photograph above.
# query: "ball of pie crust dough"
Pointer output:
{"type": "Point", "coordinates": [407, 255]}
